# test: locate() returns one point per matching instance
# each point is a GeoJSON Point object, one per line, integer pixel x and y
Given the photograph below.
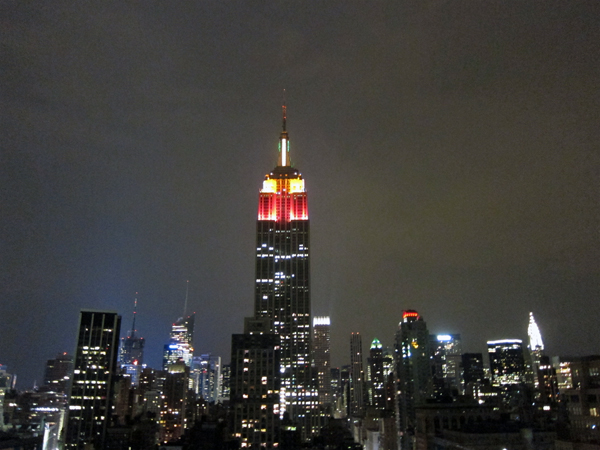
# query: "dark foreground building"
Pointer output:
{"type": "Point", "coordinates": [95, 364]}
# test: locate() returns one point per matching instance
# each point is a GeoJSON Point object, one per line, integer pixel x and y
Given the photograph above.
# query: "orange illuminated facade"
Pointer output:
{"type": "Point", "coordinates": [283, 198]}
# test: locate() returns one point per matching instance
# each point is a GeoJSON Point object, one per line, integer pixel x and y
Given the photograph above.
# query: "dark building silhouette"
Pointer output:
{"type": "Point", "coordinates": [357, 375]}
{"type": "Point", "coordinates": [413, 374]}
{"type": "Point", "coordinates": [255, 386]}
{"type": "Point", "coordinates": [507, 362]}
{"type": "Point", "coordinates": [58, 373]}
{"type": "Point", "coordinates": [175, 399]}
{"type": "Point", "coordinates": [446, 352]}
{"type": "Point", "coordinates": [377, 375]}
{"type": "Point", "coordinates": [90, 402]}
{"type": "Point", "coordinates": [473, 373]}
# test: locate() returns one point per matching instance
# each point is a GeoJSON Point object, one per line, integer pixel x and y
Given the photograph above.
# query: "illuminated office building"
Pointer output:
{"type": "Point", "coordinates": [507, 362]}
{"type": "Point", "coordinates": [181, 342]}
{"type": "Point", "coordinates": [282, 292]}
{"type": "Point", "coordinates": [322, 357]}
{"type": "Point", "coordinates": [255, 387]}
{"type": "Point", "coordinates": [446, 360]}
{"type": "Point", "coordinates": [376, 375]}
{"type": "Point", "coordinates": [90, 402]}
{"type": "Point", "coordinates": [174, 402]}
{"type": "Point", "coordinates": [131, 352]}
{"type": "Point", "coordinates": [206, 376]}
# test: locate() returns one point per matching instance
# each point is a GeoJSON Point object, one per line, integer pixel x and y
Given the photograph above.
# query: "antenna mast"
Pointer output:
{"type": "Point", "coordinates": [133, 330]}
{"type": "Point", "coordinates": [284, 110]}
{"type": "Point", "coordinates": [187, 290]}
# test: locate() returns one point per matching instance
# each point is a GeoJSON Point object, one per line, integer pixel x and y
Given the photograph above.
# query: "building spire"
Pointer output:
{"type": "Point", "coordinates": [284, 110]}
{"type": "Point", "coordinates": [535, 337]}
{"type": "Point", "coordinates": [187, 290]}
{"type": "Point", "coordinates": [284, 141]}
{"type": "Point", "coordinates": [133, 330]}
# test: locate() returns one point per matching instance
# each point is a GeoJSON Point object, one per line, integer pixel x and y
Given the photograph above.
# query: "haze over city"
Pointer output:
{"type": "Point", "coordinates": [449, 150]}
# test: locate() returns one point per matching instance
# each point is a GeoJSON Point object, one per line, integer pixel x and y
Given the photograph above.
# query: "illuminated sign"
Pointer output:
{"type": "Point", "coordinates": [444, 337]}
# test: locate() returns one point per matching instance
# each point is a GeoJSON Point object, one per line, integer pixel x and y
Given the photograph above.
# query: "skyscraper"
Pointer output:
{"type": "Point", "coordinates": [282, 291]}
{"type": "Point", "coordinates": [536, 347]}
{"type": "Point", "coordinates": [357, 375]}
{"type": "Point", "coordinates": [255, 385]}
{"type": "Point", "coordinates": [90, 403]}
{"type": "Point", "coordinates": [413, 373]}
{"type": "Point", "coordinates": [322, 357]}
{"type": "Point", "coordinates": [473, 373]}
{"type": "Point", "coordinates": [181, 342]}
{"type": "Point", "coordinates": [446, 359]}
{"type": "Point", "coordinates": [377, 375]}
{"type": "Point", "coordinates": [507, 362]}
{"type": "Point", "coordinates": [131, 353]}
{"type": "Point", "coordinates": [58, 373]}
{"type": "Point", "coordinates": [206, 376]}
{"type": "Point", "coordinates": [173, 417]}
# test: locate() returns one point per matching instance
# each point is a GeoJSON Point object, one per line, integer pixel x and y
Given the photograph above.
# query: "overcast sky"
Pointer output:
{"type": "Point", "coordinates": [450, 151]}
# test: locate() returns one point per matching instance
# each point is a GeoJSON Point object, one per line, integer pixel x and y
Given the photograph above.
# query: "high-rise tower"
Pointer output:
{"type": "Point", "coordinates": [282, 292]}
{"type": "Point", "coordinates": [181, 342]}
{"type": "Point", "coordinates": [536, 347]}
{"type": "Point", "coordinates": [357, 375]}
{"type": "Point", "coordinates": [377, 377]}
{"type": "Point", "coordinates": [507, 363]}
{"type": "Point", "coordinates": [413, 374]}
{"type": "Point", "coordinates": [322, 357]}
{"type": "Point", "coordinates": [90, 402]}
{"type": "Point", "coordinates": [131, 352]}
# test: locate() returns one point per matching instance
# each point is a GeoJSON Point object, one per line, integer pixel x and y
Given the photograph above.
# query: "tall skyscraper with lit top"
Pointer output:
{"type": "Point", "coordinates": [536, 347]}
{"type": "Point", "coordinates": [282, 292]}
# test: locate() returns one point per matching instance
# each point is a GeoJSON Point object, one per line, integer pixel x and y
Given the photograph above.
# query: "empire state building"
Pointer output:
{"type": "Point", "coordinates": [282, 292]}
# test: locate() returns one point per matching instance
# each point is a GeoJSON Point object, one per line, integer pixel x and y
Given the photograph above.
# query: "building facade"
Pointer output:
{"type": "Point", "coordinates": [507, 362]}
{"type": "Point", "coordinates": [255, 387]}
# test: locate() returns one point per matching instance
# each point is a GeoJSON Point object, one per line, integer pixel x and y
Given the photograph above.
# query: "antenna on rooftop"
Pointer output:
{"type": "Point", "coordinates": [284, 110]}
{"type": "Point", "coordinates": [187, 290]}
{"type": "Point", "coordinates": [133, 330]}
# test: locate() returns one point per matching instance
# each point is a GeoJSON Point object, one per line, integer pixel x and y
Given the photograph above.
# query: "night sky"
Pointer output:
{"type": "Point", "coordinates": [450, 151]}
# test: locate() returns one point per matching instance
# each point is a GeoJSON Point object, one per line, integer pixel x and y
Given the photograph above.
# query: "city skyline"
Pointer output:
{"type": "Point", "coordinates": [451, 151]}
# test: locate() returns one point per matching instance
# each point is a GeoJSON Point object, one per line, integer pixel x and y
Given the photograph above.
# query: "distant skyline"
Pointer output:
{"type": "Point", "coordinates": [450, 152]}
